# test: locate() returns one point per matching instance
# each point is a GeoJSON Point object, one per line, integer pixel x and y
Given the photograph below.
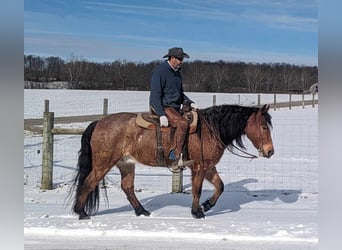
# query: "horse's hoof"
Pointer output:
{"type": "Point", "coordinates": [142, 211]}
{"type": "Point", "coordinates": [146, 213]}
{"type": "Point", "coordinates": [206, 206]}
{"type": "Point", "coordinates": [197, 214]}
{"type": "Point", "coordinates": [84, 216]}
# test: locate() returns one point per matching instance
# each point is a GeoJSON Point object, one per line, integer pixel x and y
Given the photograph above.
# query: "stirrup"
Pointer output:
{"type": "Point", "coordinates": [180, 164]}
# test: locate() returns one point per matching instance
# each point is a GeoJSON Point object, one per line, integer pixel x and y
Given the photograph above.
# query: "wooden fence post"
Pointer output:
{"type": "Point", "coordinates": [46, 106]}
{"type": "Point", "coordinates": [275, 102]}
{"type": "Point", "coordinates": [214, 100]}
{"type": "Point", "coordinates": [177, 181]}
{"type": "Point", "coordinates": [313, 100]}
{"type": "Point", "coordinates": [105, 106]}
{"type": "Point", "coordinates": [47, 149]}
{"type": "Point", "coordinates": [290, 101]}
{"type": "Point", "coordinates": [259, 100]}
{"type": "Point", "coordinates": [303, 100]}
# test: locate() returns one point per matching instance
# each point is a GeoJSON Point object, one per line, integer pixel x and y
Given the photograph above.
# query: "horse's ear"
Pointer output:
{"type": "Point", "coordinates": [265, 108]}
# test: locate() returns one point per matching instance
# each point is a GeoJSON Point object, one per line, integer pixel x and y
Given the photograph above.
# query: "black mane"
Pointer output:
{"type": "Point", "coordinates": [229, 121]}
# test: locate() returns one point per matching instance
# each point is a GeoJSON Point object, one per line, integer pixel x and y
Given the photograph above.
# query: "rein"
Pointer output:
{"type": "Point", "coordinates": [247, 155]}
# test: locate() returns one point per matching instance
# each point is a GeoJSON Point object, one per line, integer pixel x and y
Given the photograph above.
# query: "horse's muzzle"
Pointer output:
{"type": "Point", "coordinates": [268, 152]}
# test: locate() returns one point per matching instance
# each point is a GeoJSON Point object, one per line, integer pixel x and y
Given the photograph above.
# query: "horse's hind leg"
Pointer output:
{"type": "Point", "coordinates": [213, 177]}
{"type": "Point", "coordinates": [87, 194]}
{"type": "Point", "coordinates": [127, 170]}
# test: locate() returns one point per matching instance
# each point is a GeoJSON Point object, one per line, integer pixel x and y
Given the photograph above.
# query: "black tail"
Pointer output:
{"type": "Point", "coordinates": [84, 167]}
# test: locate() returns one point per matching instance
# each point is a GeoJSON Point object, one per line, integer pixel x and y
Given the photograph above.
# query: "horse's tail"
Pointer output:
{"type": "Point", "coordinates": [84, 167]}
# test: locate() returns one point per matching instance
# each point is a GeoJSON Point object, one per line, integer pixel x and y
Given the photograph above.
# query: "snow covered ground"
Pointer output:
{"type": "Point", "coordinates": [80, 102]}
{"type": "Point", "coordinates": [267, 203]}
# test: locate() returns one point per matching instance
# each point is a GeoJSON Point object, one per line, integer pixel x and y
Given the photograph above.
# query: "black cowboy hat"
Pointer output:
{"type": "Point", "coordinates": [177, 52]}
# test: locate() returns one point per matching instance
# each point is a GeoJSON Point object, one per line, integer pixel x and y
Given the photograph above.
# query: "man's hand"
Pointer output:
{"type": "Point", "coordinates": [194, 106]}
{"type": "Point", "coordinates": [164, 122]}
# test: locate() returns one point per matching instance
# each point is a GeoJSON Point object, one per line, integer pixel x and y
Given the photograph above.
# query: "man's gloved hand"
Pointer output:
{"type": "Point", "coordinates": [194, 106]}
{"type": "Point", "coordinates": [164, 122]}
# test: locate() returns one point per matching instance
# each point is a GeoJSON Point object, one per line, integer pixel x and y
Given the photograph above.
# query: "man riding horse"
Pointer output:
{"type": "Point", "coordinates": [166, 97]}
{"type": "Point", "coordinates": [117, 140]}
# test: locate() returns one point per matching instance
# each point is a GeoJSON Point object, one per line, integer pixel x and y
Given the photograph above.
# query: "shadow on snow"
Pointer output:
{"type": "Point", "coordinates": [228, 202]}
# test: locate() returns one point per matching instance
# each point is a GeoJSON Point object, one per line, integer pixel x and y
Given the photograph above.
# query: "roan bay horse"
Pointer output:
{"type": "Point", "coordinates": [115, 137]}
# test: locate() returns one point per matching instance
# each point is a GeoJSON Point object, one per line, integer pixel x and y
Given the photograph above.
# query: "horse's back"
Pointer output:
{"type": "Point", "coordinates": [112, 127]}
{"type": "Point", "coordinates": [122, 117]}
{"type": "Point", "coordinates": [119, 134]}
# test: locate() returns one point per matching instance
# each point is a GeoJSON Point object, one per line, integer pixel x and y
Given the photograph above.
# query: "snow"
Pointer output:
{"type": "Point", "coordinates": [67, 102]}
{"type": "Point", "coordinates": [267, 203]}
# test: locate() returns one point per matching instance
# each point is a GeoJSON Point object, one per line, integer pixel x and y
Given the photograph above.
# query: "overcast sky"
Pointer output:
{"type": "Point", "coordinates": [142, 31]}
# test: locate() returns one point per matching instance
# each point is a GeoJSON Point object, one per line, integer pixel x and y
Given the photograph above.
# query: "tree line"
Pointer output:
{"type": "Point", "coordinates": [198, 76]}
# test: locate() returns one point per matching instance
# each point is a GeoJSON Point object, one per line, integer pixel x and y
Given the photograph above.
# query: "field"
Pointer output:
{"type": "Point", "coordinates": [267, 203]}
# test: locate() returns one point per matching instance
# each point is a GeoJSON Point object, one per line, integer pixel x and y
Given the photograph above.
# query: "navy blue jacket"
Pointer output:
{"type": "Point", "coordinates": [166, 89]}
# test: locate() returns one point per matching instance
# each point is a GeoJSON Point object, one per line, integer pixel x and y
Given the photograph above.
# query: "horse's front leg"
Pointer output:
{"type": "Point", "coordinates": [213, 177]}
{"type": "Point", "coordinates": [197, 182]}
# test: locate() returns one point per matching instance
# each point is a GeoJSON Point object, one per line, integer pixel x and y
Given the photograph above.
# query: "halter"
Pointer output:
{"type": "Point", "coordinates": [247, 155]}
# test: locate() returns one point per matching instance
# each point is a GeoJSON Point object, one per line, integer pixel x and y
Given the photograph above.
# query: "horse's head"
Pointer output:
{"type": "Point", "coordinates": [258, 131]}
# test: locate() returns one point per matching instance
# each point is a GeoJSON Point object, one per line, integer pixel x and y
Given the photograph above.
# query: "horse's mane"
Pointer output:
{"type": "Point", "coordinates": [229, 122]}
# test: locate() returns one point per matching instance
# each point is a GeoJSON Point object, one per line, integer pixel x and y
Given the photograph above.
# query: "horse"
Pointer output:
{"type": "Point", "coordinates": [112, 139]}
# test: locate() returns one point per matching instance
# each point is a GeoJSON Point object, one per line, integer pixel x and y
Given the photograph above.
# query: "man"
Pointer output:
{"type": "Point", "coordinates": [166, 97]}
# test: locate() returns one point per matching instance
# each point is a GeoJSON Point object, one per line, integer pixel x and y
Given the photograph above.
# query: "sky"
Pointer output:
{"type": "Point", "coordinates": [257, 31]}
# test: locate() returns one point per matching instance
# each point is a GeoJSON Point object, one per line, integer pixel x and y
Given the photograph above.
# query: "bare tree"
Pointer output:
{"type": "Point", "coordinates": [196, 76]}
{"type": "Point", "coordinates": [306, 78]}
{"type": "Point", "coordinates": [254, 77]}
{"type": "Point", "coordinates": [74, 67]}
{"type": "Point", "coordinates": [219, 75]}
{"type": "Point", "coordinates": [54, 68]}
{"type": "Point", "coordinates": [289, 76]}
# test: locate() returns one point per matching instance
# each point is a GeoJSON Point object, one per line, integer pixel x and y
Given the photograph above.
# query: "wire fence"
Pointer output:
{"type": "Point", "coordinates": [294, 167]}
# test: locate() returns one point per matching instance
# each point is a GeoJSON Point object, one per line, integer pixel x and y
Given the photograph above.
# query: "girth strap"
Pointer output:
{"type": "Point", "coordinates": [160, 152]}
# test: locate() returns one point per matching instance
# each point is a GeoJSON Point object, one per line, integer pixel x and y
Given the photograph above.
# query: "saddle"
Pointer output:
{"type": "Point", "coordinates": [148, 120]}
{"type": "Point", "coordinates": [151, 121]}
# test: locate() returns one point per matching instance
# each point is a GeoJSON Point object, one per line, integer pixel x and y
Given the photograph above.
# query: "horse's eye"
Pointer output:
{"type": "Point", "coordinates": [264, 127]}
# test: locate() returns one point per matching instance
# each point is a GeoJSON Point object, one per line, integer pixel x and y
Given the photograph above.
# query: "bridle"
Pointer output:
{"type": "Point", "coordinates": [247, 155]}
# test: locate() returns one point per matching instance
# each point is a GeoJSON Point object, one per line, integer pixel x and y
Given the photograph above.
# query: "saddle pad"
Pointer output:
{"type": "Point", "coordinates": [144, 123]}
